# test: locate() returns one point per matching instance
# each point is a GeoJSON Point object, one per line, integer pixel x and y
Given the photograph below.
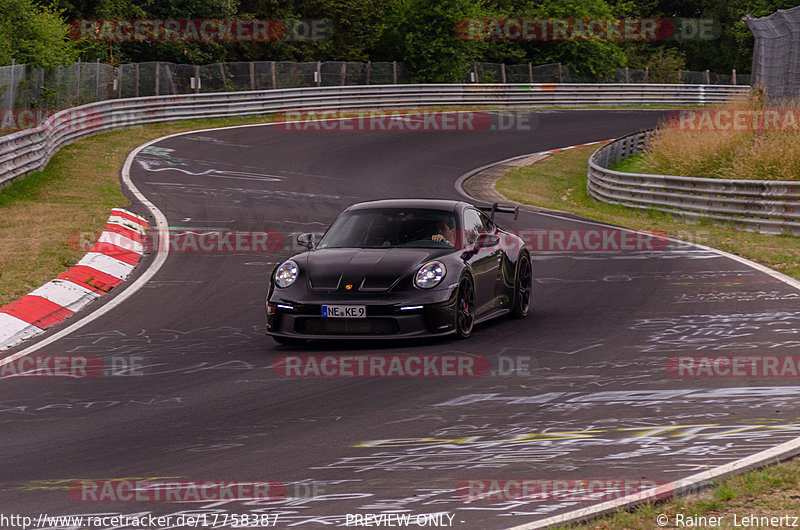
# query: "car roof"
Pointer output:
{"type": "Point", "coordinates": [433, 204]}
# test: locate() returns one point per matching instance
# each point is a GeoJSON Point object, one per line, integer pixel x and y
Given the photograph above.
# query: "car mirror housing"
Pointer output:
{"type": "Point", "coordinates": [306, 240]}
{"type": "Point", "coordinates": [486, 240]}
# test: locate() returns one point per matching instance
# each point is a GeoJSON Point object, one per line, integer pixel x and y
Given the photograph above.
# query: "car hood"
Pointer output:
{"type": "Point", "coordinates": [365, 269]}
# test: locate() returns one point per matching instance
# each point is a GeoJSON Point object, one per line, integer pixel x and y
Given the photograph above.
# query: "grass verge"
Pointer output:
{"type": "Point", "coordinates": [559, 182]}
{"type": "Point", "coordinates": [744, 139]}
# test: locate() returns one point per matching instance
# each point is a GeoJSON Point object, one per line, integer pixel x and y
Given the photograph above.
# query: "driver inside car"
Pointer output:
{"type": "Point", "coordinates": [444, 233]}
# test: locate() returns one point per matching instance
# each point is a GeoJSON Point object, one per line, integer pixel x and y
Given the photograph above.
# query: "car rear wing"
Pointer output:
{"type": "Point", "coordinates": [502, 209]}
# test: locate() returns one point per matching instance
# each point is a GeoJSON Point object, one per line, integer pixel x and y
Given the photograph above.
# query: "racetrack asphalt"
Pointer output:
{"type": "Point", "coordinates": [591, 398]}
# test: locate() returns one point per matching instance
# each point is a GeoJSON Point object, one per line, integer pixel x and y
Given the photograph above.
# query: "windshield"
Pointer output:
{"type": "Point", "coordinates": [391, 227]}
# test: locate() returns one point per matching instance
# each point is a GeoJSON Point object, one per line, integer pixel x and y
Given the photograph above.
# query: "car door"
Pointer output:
{"type": "Point", "coordinates": [484, 259]}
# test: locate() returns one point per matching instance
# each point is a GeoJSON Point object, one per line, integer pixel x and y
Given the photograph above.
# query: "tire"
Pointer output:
{"type": "Point", "coordinates": [523, 287]}
{"type": "Point", "coordinates": [465, 308]}
{"type": "Point", "coordinates": [288, 341]}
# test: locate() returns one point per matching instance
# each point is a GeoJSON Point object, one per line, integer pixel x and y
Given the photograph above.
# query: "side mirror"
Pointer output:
{"type": "Point", "coordinates": [486, 240]}
{"type": "Point", "coordinates": [306, 240]}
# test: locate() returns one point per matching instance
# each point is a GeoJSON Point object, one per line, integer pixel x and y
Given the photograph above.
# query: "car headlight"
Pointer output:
{"type": "Point", "coordinates": [286, 274]}
{"type": "Point", "coordinates": [430, 274]}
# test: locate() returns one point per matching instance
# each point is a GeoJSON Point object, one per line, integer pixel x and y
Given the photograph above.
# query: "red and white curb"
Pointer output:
{"type": "Point", "coordinates": [107, 264]}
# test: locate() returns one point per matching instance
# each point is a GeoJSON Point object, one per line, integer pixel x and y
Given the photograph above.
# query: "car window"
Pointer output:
{"type": "Point", "coordinates": [475, 223]}
{"type": "Point", "coordinates": [490, 226]}
{"type": "Point", "coordinates": [391, 227]}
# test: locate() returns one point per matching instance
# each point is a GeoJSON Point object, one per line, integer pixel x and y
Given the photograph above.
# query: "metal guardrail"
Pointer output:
{"type": "Point", "coordinates": [29, 150]}
{"type": "Point", "coordinates": [766, 206]}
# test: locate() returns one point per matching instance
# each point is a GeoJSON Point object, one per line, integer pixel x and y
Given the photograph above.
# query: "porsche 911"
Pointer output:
{"type": "Point", "coordinates": [401, 268]}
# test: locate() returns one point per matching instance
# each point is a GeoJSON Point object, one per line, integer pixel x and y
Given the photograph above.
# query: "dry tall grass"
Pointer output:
{"type": "Point", "coordinates": [757, 153]}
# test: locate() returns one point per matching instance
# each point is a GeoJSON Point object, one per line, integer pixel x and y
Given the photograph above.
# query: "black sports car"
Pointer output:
{"type": "Point", "coordinates": [400, 268]}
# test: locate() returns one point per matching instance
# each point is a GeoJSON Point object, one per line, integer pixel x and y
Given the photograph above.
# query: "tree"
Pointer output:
{"type": "Point", "coordinates": [32, 34]}
{"type": "Point", "coordinates": [590, 58]}
{"type": "Point", "coordinates": [423, 35]}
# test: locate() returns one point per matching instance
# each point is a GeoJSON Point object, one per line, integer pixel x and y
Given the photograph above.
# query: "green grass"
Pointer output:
{"type": "Point", "coordinates": [633, 164]}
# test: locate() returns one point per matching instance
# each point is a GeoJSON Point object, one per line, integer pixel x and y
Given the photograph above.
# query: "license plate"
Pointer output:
{"type": "Point", "coordinates": [344, 311]}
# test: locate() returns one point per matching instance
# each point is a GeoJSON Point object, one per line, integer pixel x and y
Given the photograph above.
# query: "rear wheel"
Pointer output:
{"type": "Point", "coordinates": [465, 308]}
{"type": "Point", "coordinates": [523, 286]}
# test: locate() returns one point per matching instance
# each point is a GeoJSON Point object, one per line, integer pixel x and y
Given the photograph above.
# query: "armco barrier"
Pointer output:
{"type": "Point", "coordinates": [29, 150]}
{"type": "Point", "coordinates": [766, 206]}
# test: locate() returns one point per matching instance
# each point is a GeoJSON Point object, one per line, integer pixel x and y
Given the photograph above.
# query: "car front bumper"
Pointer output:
{"type": "Point", "coordinates": [389, 316]}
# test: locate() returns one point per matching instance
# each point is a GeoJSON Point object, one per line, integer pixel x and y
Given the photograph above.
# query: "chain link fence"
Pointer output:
{"type": "Point", "coordinates": [776, 54]}
{"type": "Point", "coordinates": [25, 87]}
{"type": "Point", "coordinates": [558, 73]}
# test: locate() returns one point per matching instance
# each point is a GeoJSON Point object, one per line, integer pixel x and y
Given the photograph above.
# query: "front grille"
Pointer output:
{"type": "Point", "coordinates": [345, 326]}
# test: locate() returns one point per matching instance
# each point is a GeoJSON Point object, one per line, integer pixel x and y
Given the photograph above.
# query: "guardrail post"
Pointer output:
{"type": "Point", "coordinates": [679, 75]}
{"type": "Point", "coordinates": [733, 75]}
{"type": "Point", "coordinates": [343, 73]}
{"type": "Point", "coordinates": [474, 72]}
{"type": "Point", "coordinates": [157, 77]}
{"type": "Point", "coordinates": [708, 77]}
{"type": "Point", "coordinates": [11, 86]}
{"type": "Point", "coordinates": [272, 74]}
{"type": "Point", "coordinates": [369, 63]}
{"type": "Point", "coordinates": [560, 78]}
{"type": "Point", "coordinates": [530, 73]}
{"type": "Point", "coordinates": [252, 76]}
{"type": "Point", "coordinates": [319, 73]}
{"type": "Point", "coordinates": [394, 72]}
{"type": "Point", "coordinates": [172, 88]}
{"type": "Point", "coordinates": [503, 73]}
{"type": "Point", "coordinates": [627, 75]}
{"type": "Point", "coordinates": [646, 73]}
{"type": "Point", "coordinates": [222, 75]}
{"type": "Point", "coordinates": [136, 80]}
{"type": "Point", "coordinates": [119, 81]}
{"type": "Point", "coordinates": [78, 81]}
{"type": "Point", "coordinates": [58, 84]}
{"type": "Point", "coordinates": [197, 79]}
{"type": "Point", "coordinates": [97, 78]}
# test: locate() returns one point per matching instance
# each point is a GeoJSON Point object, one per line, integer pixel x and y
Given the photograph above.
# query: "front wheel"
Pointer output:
{"type": "Point", "coordinates": [465, 308]}
{"type": "Point", "coordinates": [522, 287]}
